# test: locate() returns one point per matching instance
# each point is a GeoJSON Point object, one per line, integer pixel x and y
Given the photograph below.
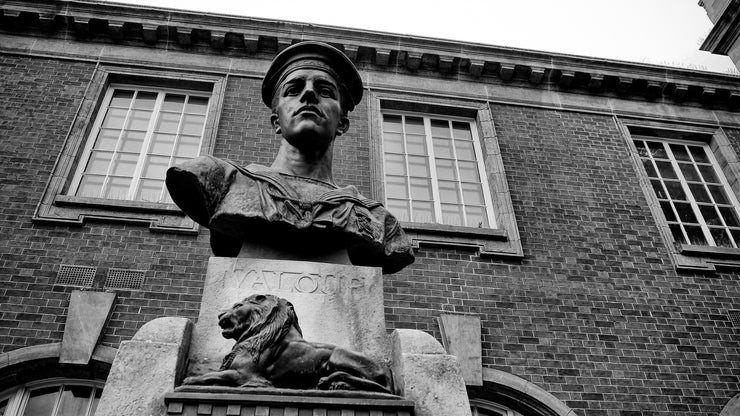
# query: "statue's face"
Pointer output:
{"type": "Point", "coordinates": [308, 110]}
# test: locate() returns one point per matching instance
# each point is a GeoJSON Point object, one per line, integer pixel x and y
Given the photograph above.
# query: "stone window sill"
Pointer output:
{"type": "Point", "coordinates": [487, 241]}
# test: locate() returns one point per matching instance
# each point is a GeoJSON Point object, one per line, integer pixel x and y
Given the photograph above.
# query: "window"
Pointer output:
{"type": "Point", "coordinates": [138, 134]}
{"type": "Point", "coordinates": [56, 397]}
{"type": "Point", "coordinates": [486, 408]}
{"type": "Point", "coordinates": [131, 125]}
{"type": "Point", "coordinates": [434, 171]}
{"type": "Point", "coordinates": [694, 196]}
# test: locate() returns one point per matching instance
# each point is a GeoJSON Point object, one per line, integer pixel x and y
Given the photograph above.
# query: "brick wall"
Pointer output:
{"type": "Point", "coordinates": [595, 313]}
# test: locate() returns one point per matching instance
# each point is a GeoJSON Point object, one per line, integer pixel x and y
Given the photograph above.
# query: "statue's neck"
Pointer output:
{"type": "Point", "coordinates": [314, 165]}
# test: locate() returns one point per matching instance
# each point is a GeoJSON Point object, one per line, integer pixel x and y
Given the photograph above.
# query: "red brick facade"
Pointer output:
{"type": "Point", "coordinates": [595, 313]}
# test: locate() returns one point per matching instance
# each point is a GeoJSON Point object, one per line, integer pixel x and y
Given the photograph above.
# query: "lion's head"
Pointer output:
{"type": "Point", "coordinates": [258, 320]}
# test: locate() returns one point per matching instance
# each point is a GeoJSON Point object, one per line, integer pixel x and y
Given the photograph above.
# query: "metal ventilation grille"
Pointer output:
{"type": "Point", "coordinates": [735, 318]}
{"type": "Point", "coordinates": [124, 279]}
{"type": "Point", "coordinates": [75, 275]}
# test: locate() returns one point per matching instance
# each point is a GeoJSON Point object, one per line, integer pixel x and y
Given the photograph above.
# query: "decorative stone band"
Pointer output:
{"type": "Point", "coordinates": [203, 401]}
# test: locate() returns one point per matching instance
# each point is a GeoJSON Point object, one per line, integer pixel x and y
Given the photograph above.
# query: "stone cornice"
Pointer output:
{"type": "Point", "coordinates": [206, 33]}
{"type": "Point", "coordinates": [725, 32]}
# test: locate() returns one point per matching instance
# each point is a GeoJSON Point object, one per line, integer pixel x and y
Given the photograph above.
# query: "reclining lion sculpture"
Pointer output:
{"type": "Point", "coordinates": [270, 352]}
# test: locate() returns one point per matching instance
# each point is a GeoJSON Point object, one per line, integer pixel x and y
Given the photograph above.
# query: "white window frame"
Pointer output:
{"type": "Point", "coordinates": [100, 116]}
{"type": "Point", "coordinates": [476, 404]}
{"type": "Point", "coordinates": [684, 185]}
{"type": "Point", "coordinates": [18, 396]}
{"type": "Point", "coordinates": [426, 117]}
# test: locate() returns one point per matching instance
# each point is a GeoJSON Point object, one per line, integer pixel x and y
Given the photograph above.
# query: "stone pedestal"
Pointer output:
{"type": "Point", "coordinates": [335, 304]}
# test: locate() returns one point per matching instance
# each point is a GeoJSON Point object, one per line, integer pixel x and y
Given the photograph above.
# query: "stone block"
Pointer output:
{"type": "Point", "coordinates": [146, 368]}
{"type": "Point", "coordinates": [335, 304]}
{"type": "Point", "coordinates": [424, 374]}
{"type": "Point", "coordinates": [461, 337]}
{"type": "Point", "coordinates": [87, 314]}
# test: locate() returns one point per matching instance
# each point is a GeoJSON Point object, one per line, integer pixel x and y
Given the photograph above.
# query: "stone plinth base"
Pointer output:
{"type": "Point", "coordinates": [233, 401]}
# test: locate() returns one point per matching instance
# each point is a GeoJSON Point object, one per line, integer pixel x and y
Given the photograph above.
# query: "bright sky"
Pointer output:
{"type": "Point", "coordinates": [662, 32]}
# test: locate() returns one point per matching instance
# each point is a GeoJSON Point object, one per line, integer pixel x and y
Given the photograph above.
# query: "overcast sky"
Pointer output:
{"type": "Point", "coordinates": [663, 32]}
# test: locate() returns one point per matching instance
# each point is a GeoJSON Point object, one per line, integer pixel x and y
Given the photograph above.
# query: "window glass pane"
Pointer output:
{"type": "Point", "coordinates": [150, 190]}
{"type": "Point", "coordinates": [197, 105]}
{"type": "Point", "coordinates": [443, 148]}
{"type": "Point", "coordinates": [721, 238]}
{"type": "Point", "coordinates": [464, 150]}
{"type": "Point", "coordinates": [188, 146]}
{"type": "Point", "coordinates": [476, 217]}
{"type": "Point", "coordinates": [472, 194]}
{"type": "Point", "coordinates": [440, 128]}
{"type": "Point", "coordinates": [699, 154]}
{"type": "Point", "coordinates": [675, 190]}
{"type": "Point", "coordinates": [121, 98]}
{"type": "Point", "coordinates": [710, 215]}
{"type": "Point", "coordinates": [396, 187]}
{"type": "Point", "coordinates": [677, 233]}
{"type": "Point", "coordinates": [666, 170]}
{"type": "Point", "coordinates": [667, 211]}
{"type": "Point", "coordinates": [162, 144]}
{"type": "Point", "coordinates": [689, 172]}
{"type": "Point", "coordinates": [173, 102]}
{"type": "Point", "coordinates": [658, 189]}
{"type": "Point", "coordinates": [155, 167]}
{"type": "Point", "coordinates": [707, 172]}
{"type": "Point", "coordinates": [41, 401]}
{"type": "Point", "coordinates": [96, 400]}
{"type": "Point", "coordinates": [730, 216]}
{"type": "Point", "coordinates": [446, 169]}
{"type": "Point", "coordinates": [452, 214]}
{"type": "Point", "coordinates": [414, 125]}
{"type": "Point", "coordinates": [449, 192]}
{"type": "Point", "coordinates": [699, 193]}
{"type": "Point", "coordinates": [416, 145]}
{"type": "Point", "coordinates": [3, 406]}
{"type": "Point", "coordinates": [99, 162]}
{"type": "Point", "coordinates": [419, 166]}
{"type": "Point", "coordinates": [718, 194]}
{"type": "Point", "coordinates": [641, 149]}
{"type": "Point", "coordinates": [423, 211]}
{"type": "Point", "coordinates": [394, 165]}
{"type": "Point", "coordinates": [124, 164]}
{"type": "Point", "coordinates": [192, 124]}
{"type": "Point", "coordinates": [90, 186]}
{"type": "Point", "coordinates": [421, 189]}
{"type": "Point", "coordinates": [131, 141]}
{"type": "Point", "coordinates": [392, 124]}
{"type": "Point", "coordinates": [139, 120]}
{"type": "Point", "coordinates": [680, 152]}
{"type": "Point", "coordinates": [75, 400]}
{"type": "Point", "coordinates": [468, 171]}
{"type": "Point", "coordinates": [118, 188]}
{"type": "Point", "coordinates": [393, 142]}
{"type": "Point", "coordinates": [649, 168]}
{"type": "Point", "coordinates": [685, 213]}
{"type": "Point", "coordinates": [168, 122]}
{"type": "Point", "coordinates": [696, 236]}
{"type": "Point", "coordinates": [461, 131]}
{"type": "Point", "coordinates": [107, 139]}
{"type": "Point", "coordinates": [145, 100]}
{"type": "Point", "coordinates": [399, 209]}
{"type": "Point", "coordinates": [657, 150]}
{"type": "Point", "coordinates": [114, 118]}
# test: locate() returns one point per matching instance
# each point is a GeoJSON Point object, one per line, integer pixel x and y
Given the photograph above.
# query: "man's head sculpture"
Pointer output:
{"type": "Point", "coordinates": [293, 207]}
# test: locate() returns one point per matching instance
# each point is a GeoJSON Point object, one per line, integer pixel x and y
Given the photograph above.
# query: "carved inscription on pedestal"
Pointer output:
{"type": "Point", "coordinates": [253, 280]}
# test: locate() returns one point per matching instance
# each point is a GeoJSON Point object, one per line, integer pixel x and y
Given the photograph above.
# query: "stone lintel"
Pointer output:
{"type": "Point", "coordinates": [506, 71]}
{"type": "Point", "coordinates": [86, 317]}
{"type": "Point", "coordinates": [382, 56]}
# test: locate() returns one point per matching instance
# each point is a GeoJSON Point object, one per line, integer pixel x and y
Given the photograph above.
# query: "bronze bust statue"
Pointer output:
{"type": "Point", "coordinates": [294, 206]}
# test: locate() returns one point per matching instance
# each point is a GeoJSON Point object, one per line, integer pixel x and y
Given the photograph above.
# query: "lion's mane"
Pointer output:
{"type": "Point", "coordinates": [270, 322]}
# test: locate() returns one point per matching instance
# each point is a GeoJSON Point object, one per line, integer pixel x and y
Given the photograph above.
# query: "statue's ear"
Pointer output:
{"type": "Point", "coordinates": [343, 125]}
{"type": "Point", "coordinates": [275, 121]}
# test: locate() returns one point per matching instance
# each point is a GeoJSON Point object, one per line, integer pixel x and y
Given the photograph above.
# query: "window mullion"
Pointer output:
{"type": "Point", "coordinates": [178, 135]}
{"type": "Point", "coordinates": [58, 401]}
{"type": "Point", "coordinates": [457, 173]}
{"type": "Point", "coordinates": [136, 177]}
{"type": "Point", "coordinates": [483, 175]}
{"type": "Point", "coordinates": [433, 170]}
{"type": "Point", "coordinates": [689, 195]}
{"type": "Point", "coordinates": [90, 400]}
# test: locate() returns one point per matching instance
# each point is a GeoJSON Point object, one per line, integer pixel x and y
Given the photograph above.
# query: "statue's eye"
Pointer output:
{"type": "Point", "coordinates": [326, 92]}
{"type": "Point", "coordinates": [259, 298]}
{"type": "Point", "coordinates": [292, 90]}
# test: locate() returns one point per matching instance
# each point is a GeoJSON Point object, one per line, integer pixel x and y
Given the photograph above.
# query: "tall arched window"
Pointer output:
{"type": "Point", "coordinates": [485, 408]}
{"type": "Point", "coordinates": [52, 397]}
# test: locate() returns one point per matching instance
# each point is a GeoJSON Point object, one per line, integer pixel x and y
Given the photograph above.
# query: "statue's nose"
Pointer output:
{"type": "Point", "coordinates": [221, 315]}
